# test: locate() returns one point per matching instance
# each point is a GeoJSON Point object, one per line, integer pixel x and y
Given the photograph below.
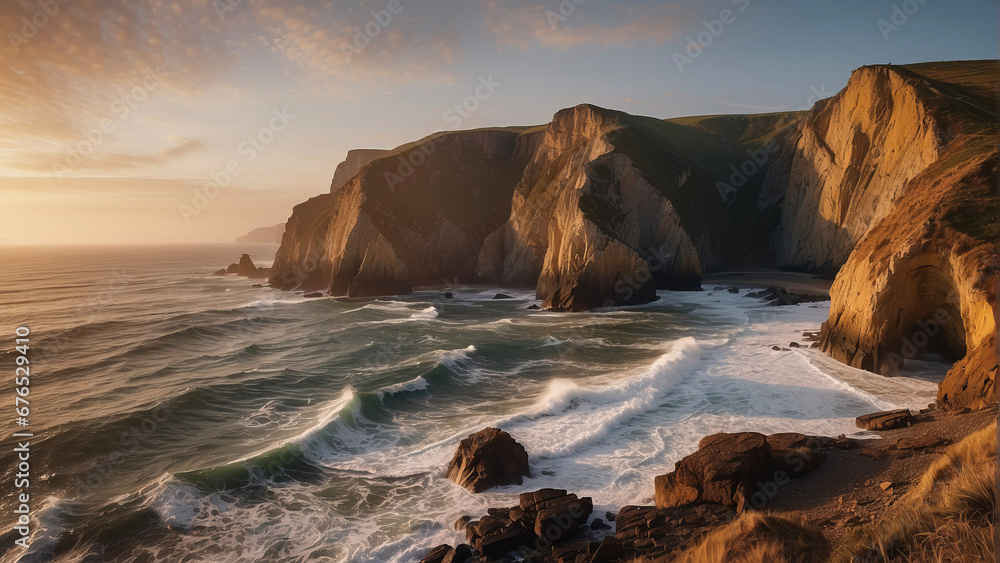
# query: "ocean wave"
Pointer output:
{"type": "Point", "coordinates": [416, 384]}
{"type": "Point", "coordinates": [570, 416]}
{"type": "Point", "coordinates": [426, 314]}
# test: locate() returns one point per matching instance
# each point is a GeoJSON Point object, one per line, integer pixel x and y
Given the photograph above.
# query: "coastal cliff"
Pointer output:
{"type": "Point", "coordinates": [613, 207]}
{"type": "Point", "coordinates": [416, 216]}
{"type": "Point", "coordinates": [890, 185]}
{"type": "Point", "coordinates": [922, 280]}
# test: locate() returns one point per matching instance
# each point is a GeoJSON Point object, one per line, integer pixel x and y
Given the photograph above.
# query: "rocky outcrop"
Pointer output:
{"type": "Point", "coordinates": [416, 216]}
{"type": "Point", "coordinates": [886, 420]}
{"type": "Point", "coordinates": [245, 268]}
{"type": "Point", "coordinates": [726, 468]}
{"type": "Point", "coordinates": [352, 165]}
{"type": "Point", "coordinates": [613, 207]}
{"type": "Point", "coordinates": [923, 281]}
{"type": "Point", "coordinates": [541, 520]}
{"type": "Point", "coordinates": [489, 458]}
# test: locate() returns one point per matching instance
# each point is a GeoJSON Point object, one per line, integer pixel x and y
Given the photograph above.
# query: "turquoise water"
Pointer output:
{"type": "Point", "coordinates": [181, 416]}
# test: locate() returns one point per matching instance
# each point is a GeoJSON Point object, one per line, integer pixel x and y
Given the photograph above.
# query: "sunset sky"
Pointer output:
{"type": "Point", "coordinates": [113, 112]}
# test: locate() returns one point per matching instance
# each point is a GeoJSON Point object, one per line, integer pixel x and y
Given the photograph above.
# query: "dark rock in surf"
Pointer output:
{"type": "Point", "coordinates": [489, 458]}
{"type": "Point", "coordinates": [502, 296]}
{"type": "Point", "coordinates": [220, 272]}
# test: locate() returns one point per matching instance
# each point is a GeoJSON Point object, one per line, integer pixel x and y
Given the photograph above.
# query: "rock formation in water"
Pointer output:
{"type": "Point", "coordinates": [613, 207]}
{"type": "Point", "coordinates": [416, 217]}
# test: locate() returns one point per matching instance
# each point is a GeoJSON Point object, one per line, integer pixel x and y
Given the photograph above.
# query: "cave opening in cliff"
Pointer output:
{"type": "Point", "coordinates": [931, 323]}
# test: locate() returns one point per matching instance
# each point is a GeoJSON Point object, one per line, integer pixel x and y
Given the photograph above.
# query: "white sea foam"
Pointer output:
{"type": "Point", "coordinates": [415, 384]}
{"type": "Point", "coordinates": [425, 314]}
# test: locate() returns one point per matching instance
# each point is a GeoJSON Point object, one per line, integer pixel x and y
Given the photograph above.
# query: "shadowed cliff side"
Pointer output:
{"type": "Point", "coordinates": [924, 279]}
{"type": "Point", "coordinates": [416, 216]}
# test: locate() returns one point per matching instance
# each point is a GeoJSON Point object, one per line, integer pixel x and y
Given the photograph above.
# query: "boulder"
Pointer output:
{"type": "Point", "coordinates": [489, 458]}
{"type": "Point", "coordinates": [886, 420]}
{"type": "Point", "coordinates": [723, 465]}
{"type": "Point", "coordinates": [246, 267]}
{"type": "Point", "coordinates": [232, 269]}
{"type": "Point", "coordinates": [502, 296]}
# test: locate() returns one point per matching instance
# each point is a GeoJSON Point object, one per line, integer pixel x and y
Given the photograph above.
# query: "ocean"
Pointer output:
{"type": "Point", "coordinates": [179, 416]}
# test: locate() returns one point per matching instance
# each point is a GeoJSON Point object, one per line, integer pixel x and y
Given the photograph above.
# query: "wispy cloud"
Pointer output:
{"type": "Point", "coordinates": [524, 26]}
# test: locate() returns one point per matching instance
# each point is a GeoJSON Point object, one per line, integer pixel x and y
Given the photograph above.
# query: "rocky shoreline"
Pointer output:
{"type": "Point", "coordinates": [826, 487]}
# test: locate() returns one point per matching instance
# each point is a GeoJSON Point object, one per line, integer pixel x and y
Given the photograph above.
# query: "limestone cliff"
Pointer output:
{"type": "Point", "coordinates": [614, 206]}
{"type": "Point", "coordinates": [355, 161]}
{"type": "Point", "coordinates": [848, 163]}
{"type": "Point", "coordinates": [416, 216]}
{"type": "Point", "coordinates": [923, 277]}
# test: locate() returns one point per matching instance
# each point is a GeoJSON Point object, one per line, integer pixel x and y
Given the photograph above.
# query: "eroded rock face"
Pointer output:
{"type": "Point", "coordinates": [417, 215]}
{"type": "Point", "coordinates": [612, 207]}
{"type": "Point", "coordinates": [847, 164]}
{"type": "Point", "coordinates": [489, 458]}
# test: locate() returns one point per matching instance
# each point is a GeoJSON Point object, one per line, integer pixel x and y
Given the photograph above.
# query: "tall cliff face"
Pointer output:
{"type": "Point", "coordinates": [848, 163]}
{"type": "Point", "coordinates": [923, 277]}
{"type": "Point", "coordinates": [613, 206]}
{"type": "Point", "coordinates": [355, 161]}
{"type": "Point", "coordinates": [416, 216]}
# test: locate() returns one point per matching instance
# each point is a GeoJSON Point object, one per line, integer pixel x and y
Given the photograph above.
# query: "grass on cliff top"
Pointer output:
{"type": "Point", "coordinates": [948, 516]}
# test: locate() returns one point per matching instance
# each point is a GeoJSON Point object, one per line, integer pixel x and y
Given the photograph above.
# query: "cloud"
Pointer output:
{"type": "Point", "coordinates": [108, 161]}
{"type": "Point", "coordinates": [343, 53]}
{"type": "Point", "coordinates": [524, 26]}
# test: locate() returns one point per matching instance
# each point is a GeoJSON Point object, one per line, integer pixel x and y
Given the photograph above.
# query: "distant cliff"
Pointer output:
{"type": "Point", "coordinates": [264, 235]}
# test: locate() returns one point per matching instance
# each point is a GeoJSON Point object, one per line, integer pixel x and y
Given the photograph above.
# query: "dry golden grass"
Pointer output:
{"type": "Point", "coordinates": [947, 517]}
{"type": "Point", "coordinates": [757, 537]}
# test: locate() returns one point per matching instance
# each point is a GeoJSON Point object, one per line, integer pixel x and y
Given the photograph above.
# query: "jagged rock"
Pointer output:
{"type": "Point", "coordinates": [724, 465]}
{"type": "Point", "coordinates": [220, 272]}
{"type": "Point", "coordinates": [502, 296]}
{"type": "Point", "coordinates": [489, 458]}
{"type": "Point", "coordinates": [599, 524]}
{"type": "Point", "coordinates": [448, 295]}
{"type": "Point", "coordinates": [540, 521]}
{"type": "Point", "coordinates": [232, 269]}
{"type": "Point", "coordinates": [533, 307]}
{"type": "Point", "coordinates": [654, 533]}
{"type": "Point", "coordinates": [462, 522]}
{"type": "Point", "coordinates": [777, 296]}
{"type": "Point", "coordinates": [886, 420]}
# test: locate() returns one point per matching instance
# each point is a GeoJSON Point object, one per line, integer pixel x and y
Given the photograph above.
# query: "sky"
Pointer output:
{"type": "Point", "coordinates": [196, 121]}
